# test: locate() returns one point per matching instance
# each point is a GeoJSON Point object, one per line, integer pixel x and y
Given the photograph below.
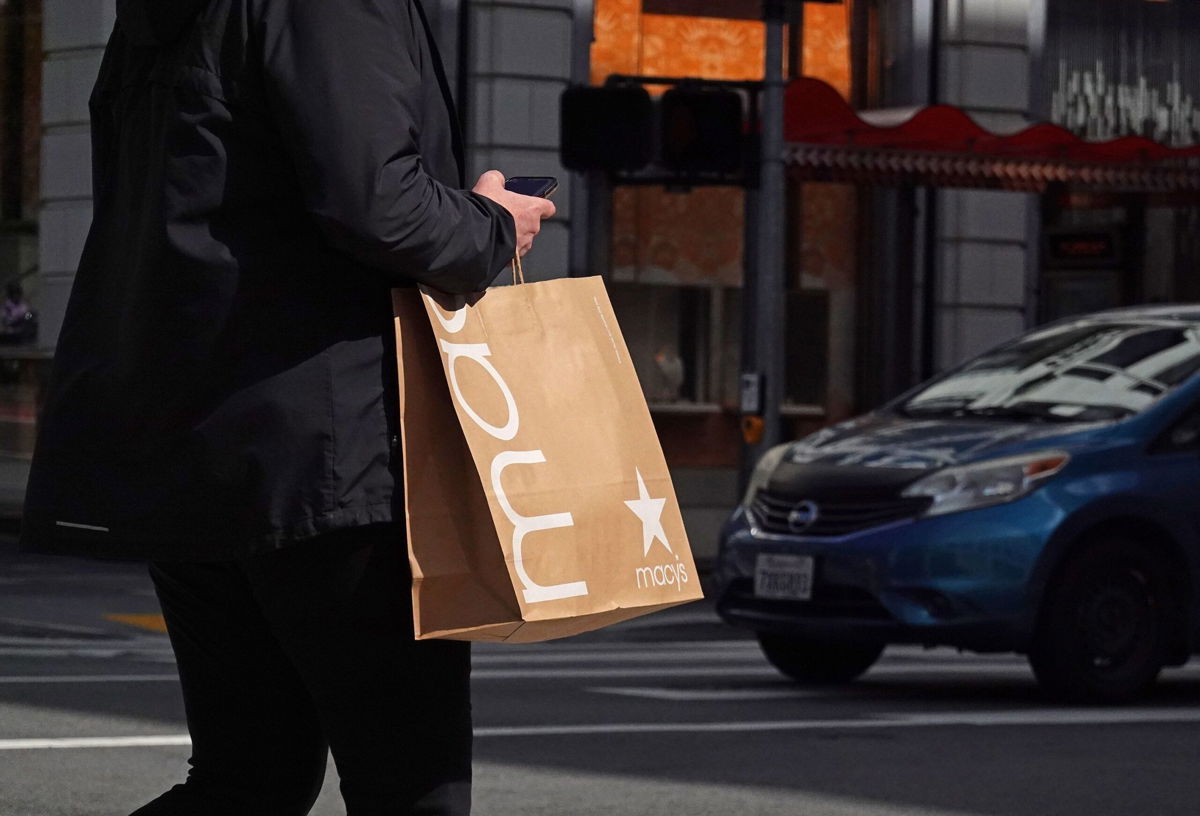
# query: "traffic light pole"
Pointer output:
{"type": "Point", "coordinates": [764, 289]}
{"type": "Point", "coordinates": [766, 295]}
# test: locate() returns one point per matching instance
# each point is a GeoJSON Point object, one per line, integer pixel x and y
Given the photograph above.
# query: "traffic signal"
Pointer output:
{"type": "Point", "coordinates": [701, 130]}
{"type": "Point", "coordinates": [606, 128]}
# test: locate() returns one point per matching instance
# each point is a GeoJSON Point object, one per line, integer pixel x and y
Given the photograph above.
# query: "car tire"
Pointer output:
{"type": "Point", "coordinates": [815, 662]}
{"type": "Point", "coordinates": [1103, 633]}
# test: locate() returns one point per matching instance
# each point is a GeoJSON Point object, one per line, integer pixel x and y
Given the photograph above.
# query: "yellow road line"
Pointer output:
{"type": "Point", "coordinates": [154, 623]}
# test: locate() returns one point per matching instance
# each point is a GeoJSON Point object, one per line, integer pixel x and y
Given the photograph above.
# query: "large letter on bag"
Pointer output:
{"type": "Point", "coordinates": [522, 526]}
{"type": "Point", "coordinates": [531, 524]}
{"type": "Point", "coordinates": [479, 352]}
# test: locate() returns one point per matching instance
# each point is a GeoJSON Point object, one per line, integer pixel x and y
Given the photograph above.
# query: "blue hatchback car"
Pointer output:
{"type": "Point", "coordinates": [1043, 498]}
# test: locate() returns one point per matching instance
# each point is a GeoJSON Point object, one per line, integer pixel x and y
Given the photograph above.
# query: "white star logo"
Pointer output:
{"type": "Point", "coordinates": [650, 512]}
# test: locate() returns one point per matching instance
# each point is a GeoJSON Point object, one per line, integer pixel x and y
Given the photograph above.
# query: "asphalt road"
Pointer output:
{"type": "Point", "coordinates": [673, 714]}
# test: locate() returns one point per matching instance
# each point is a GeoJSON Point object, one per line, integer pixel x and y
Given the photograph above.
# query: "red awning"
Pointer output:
{"type": "Point", "coordinates": [942, 146]}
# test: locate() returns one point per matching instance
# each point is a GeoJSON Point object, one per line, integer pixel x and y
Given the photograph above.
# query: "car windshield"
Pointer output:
{"type": "Point", "coordinates": [1084, 371]}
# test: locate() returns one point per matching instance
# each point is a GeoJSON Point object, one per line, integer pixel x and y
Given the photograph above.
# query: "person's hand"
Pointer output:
{"type": "Point", "coordinates": [527, 211]}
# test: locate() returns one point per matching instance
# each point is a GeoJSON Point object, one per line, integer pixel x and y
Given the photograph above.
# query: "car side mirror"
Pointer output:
{"type": "Point", "coordinates": [1185, 435]}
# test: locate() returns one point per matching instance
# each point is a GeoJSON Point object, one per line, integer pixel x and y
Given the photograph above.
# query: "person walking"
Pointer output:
{"type": "Point", "coordinates": [222, 402]}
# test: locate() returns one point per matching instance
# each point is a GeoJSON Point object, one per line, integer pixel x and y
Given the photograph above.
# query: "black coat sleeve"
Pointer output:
{"type": "Point", "coordinates": [343, 81]}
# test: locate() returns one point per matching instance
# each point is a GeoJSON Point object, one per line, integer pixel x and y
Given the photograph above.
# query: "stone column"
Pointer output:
{"type": "Point", "coordinates": [521, 58]}
{"type": "Point", "coordinates": [74, 35]}
{"type": "Point", "coordinates": [987, 240]}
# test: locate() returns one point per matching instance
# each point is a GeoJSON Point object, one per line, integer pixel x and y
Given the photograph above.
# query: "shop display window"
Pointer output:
{"type": "Point", "coordinates": [677, 256]}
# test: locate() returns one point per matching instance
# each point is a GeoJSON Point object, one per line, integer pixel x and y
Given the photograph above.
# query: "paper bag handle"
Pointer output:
{"type": "Point", "coordinates": [518, 272]}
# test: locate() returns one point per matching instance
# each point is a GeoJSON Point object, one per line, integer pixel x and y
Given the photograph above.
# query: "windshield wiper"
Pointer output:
{"type": "Point", "coordinates": [1045, 412]}
{"type": "Point", "coordinates": [964, 411]}
{"type": "Point", "coordinates": [1011, 412]}
{"type": "Point", "coordinates": [935, 408]}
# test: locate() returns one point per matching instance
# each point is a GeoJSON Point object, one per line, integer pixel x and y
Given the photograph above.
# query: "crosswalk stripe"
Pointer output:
{"type": "Point", "coordinates": [630, 671]}
{"type": "Point", "coordinates": [569, 645]}
{"type": "Point", "coordinates": [617, 657]}
{"type": "Point", "coordinates": [980, 719]}
{"type": "Point", "coordinates": [164, 741]}
{"type": "Point", "coordinates": [686, 695]}
{"type": "Point", "coordinates": [37, 680]}
{"type": "Point", "coordinates": [1031, 717]}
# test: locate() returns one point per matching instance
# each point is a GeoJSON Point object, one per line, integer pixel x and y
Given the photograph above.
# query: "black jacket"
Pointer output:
{"type": "Point", "coordinates": [264, 171]}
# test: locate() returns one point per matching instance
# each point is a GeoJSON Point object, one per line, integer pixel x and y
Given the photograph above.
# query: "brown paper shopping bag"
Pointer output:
{"type": "Point", "coordinates": [538, 502]}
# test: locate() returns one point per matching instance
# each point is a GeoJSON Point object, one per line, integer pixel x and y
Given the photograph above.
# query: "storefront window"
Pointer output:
{"type": "Point", "coordinates": [1114, 69]}
{"type": "Point", "coordinates": [668, 330]}
{"type": "Point", "coordinates": [678, 255]}
{"type": "Point", "coordinates": [1117, 68]}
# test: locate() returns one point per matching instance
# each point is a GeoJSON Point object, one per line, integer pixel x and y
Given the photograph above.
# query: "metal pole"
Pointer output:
{"type": "Point", "coordinates": [929, 216]}
{"type": "Point", "coordinates": [749, 333]}
{"type": "Point", "coordinates": [770, 287]}
{"type": "Point", "coordinates": [584, 197]}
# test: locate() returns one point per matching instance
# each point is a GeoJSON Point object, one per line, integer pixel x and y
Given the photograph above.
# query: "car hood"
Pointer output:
{"type": "Point", "coordinates": [892, 442]}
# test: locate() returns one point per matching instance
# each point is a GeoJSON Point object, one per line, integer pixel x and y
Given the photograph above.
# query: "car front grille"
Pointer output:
{"type": "Point", "coordinates": [834, 517]}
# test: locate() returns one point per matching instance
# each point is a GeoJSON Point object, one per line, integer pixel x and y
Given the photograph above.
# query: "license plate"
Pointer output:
{"type": "Point", "coordinates": [783, 577]}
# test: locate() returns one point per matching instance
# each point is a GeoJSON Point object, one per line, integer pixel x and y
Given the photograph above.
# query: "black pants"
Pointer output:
{"type": "Point", "coordinates": [285, 656]}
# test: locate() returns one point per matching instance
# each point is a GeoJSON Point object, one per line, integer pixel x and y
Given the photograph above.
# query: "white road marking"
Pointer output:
{"type": "Point", "coordinates": [574, 647]}
{"type": "Point", "coordinates": [34, 679]}
{"type": "Point", "coordinates": [1028, 717]}
{"type": "Point", "coordinates": [751, 668]}
{"type": "Point", "coordinates": [684, 695]}
{"type": "Point", "coordinates": [164, 741]}
{"type": "Point", "coordinates": [983, 719]}
{"type": "Point", "coordinates": [618, 657]}
{"type": "Point", "coordinates": [665, 671]}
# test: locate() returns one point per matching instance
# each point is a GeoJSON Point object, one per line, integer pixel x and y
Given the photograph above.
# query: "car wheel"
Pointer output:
{"type": "Point", "coordinates": [1102, 636]}
{"type": "Point", "coordinates": [818, 662]}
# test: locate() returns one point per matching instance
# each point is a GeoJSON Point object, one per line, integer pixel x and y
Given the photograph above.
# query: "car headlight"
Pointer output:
{"type": "Point", "coordinates": [763, 470]}
{"type": "Point", "coordinates": [983, 484]}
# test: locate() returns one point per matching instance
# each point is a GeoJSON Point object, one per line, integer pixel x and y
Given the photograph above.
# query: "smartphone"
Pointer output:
{"type": "Point", "coordinates": [539, 186]}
